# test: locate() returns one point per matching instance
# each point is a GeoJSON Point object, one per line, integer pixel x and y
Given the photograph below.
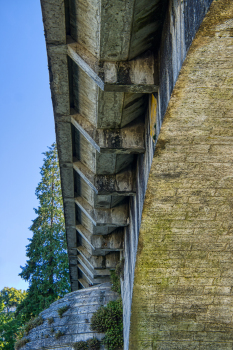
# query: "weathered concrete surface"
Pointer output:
{"type": "Point", "coordinates": [75, 322]}
{"type": "Point", "coordinates": [182, 20]}
{"type": "Point", "coordinates": [138, 75]}
{"type": "Point", "coordinates": [183, 282]}
{"type": "Point", "coordinates": [116, 30]}
{"type": "Point", "coordinates": [99, 133]}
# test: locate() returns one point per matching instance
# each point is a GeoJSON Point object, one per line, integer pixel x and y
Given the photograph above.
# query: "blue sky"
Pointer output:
{"type": "Point", "coordinates": [27, 128]}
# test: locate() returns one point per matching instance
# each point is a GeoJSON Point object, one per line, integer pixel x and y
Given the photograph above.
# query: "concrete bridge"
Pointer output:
{"type": "Point", "coordinates": [118, 105]}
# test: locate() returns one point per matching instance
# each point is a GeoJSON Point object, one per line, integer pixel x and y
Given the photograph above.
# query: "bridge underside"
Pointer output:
{"type": "Point", "coordinates": [182, 296]}
{"type": "Point", "coordinates": [102, 71]}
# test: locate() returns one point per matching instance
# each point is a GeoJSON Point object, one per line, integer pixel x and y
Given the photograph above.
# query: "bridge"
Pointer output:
{"type": "Point", "coordinates": [140, 89]}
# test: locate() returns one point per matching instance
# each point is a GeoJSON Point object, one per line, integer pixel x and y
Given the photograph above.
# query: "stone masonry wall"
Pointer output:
{"type": "Point", "coordinates": [182, 297]}
{"type": "Point", "coordinates": [74, 324]}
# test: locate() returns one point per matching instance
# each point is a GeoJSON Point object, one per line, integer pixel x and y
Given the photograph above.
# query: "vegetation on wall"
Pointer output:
{"type": "Point", "coordinates": [90, 344]}
{"type": "Point", "coordinates": [116, 275]}
{"type": "Point", "coordinates": [34, 322]}
{"type": "Point", "coordinates": [109, 320]}
{"type": "Point", "coordinates": [20, 343]}
{"type": "Point", "coordinates": [62, 310]}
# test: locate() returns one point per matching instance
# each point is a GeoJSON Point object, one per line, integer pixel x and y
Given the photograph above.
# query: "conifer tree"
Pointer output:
{"type": "Point", "coordinates": [46, 269]}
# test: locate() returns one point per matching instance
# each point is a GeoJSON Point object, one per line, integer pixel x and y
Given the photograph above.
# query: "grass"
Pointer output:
{"type": "Point", "coordinates": [59, 334]}
{"type": "Point", "coordinates": [62, 310]}
{"type": "Point", "coordinates": [34, 322]}
{"type": "Point", "coordinates": [50, 320]}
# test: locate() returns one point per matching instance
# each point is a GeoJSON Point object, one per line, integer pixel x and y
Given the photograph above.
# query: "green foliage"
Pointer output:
{"type": "Point", "coordinates": [93, 344]}
{"type": "Point", "coordinates": [116, 282]}
{"type": "Point", "coordinates": [11, 297]}
{"type": "Point", "coordinates": [109, 320]}
{"type": "Point", "coordinates": [9, 323]}
{"type": "Point", "coordinates": [59, 334]}
{"type": "Point", "coordinates": [46, 269]}
{"type": "Point", "coordinates": [90, 344]}
{"type": "Point", "coordinates": [50, 320]}
{"type": "Point", "coordinates": [81, 345]}
{"type": "Point", "coordinates": [117, 275]}
{"type": "Point", "coordinates": [34, 322]}
{"type": "Point", "coordinates": [20, 343]}
{"type": "Point", "coordinates": [62, 310]}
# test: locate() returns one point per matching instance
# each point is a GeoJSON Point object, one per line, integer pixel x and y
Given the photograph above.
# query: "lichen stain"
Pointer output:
{"type": "Point", "coordinates": [159, 242]}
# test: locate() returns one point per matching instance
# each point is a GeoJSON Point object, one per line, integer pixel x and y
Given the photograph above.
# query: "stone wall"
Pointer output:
{"type": "Point", "coordinates": [182, 296]}
{"type": "Point", "coordinates": [74, 323]}
{"type": "Point", "coordinates": [183, 19]}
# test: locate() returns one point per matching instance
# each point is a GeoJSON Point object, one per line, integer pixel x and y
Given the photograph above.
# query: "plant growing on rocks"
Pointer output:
{"type": "Point", "coordinates": [81, 345]}
{"type": "Point", "coordinates": [90, 344]}
{"type": "Point", "coordinates": [62, 310]}
{"type": "Point", "coordinates": [116, 275]}
{"type": "Point", "coordinates": [109, 320]}
{"type": "Point", "coordinates": [34, 322]}
{"type": "Point", "coordinates": [50, 320]}
{"type": "Point", "coordinates": [59, 334]}
{"type": "Point", "coordinates": [20, 343]}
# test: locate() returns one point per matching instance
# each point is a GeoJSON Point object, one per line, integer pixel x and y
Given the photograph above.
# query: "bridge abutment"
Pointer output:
{"type": "Point", "coordinates": [182, 294]}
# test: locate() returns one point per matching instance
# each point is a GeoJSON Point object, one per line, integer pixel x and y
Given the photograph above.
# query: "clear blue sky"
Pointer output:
{"type": "Point", "coordinates": [27, 128]}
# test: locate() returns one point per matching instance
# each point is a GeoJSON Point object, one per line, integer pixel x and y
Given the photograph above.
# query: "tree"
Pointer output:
{"type": "Point", "coordinates": [11, 297]}
{"type": "Point", "coordinates": [9, 324]}
{"type": "Point", "coordinates": [46, 269]}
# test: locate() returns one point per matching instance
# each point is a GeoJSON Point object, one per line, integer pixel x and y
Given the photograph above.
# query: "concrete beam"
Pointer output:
{"type": "Point", "coordinates": [138, 75]}
{"type": "Point", "coordinates": [93, 273]}
{"type": "Point", "coordinates": [53, 12]}
{"type": "Point", "coordinates": [103, 244]}
{"type": "Point", "coordinates": [98, 262]}
{"type": "Point", "coordinates": [122, 184]}
{"type": "Point", "coordinates": [129, 139]}
{"type": "Point", "coordinates": [114, 217]}
{"type": "Point", "coordinates": [59, 81]}
{"type": "Point", "coordinates": [90, 279]}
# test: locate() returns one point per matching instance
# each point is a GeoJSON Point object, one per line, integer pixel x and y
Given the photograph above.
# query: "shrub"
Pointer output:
{"type": "Point", "coordinates": [62, 310]}
{"type": "Point", "coordinates": [34, 322]}
{"type": "Point", "coordinates": [81, 345]}
{"type": "Point", "coordinates": [20, 343]}
{"type": "Point", "coordinates": [109, 319]}
{"type": "Point", "coordinates": [50, 320]}
{"type": "Point", "coordinates": [93, 344]}
{"type": "Point", "coordinates": [59, 334]}
{"type": "Point", "coordinates": [90, 344]}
